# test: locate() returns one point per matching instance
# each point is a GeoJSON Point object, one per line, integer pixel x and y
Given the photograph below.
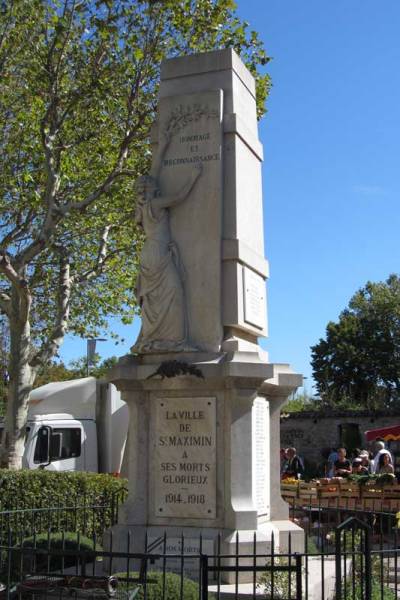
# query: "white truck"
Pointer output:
{"type": "Point", "coordinates": [77, 425]}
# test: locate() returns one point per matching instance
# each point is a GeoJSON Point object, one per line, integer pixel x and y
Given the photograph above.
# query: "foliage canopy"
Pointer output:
{"type": "Point", "coordinates": [357, 364]}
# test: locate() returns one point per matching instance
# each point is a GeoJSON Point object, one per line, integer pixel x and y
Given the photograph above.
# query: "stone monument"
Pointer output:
{"type": "Point", "coordinates": [203, 444]}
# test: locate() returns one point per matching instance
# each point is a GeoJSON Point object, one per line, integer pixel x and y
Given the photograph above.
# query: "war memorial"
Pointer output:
{"type": "Point", "coordinates": [204, 401]}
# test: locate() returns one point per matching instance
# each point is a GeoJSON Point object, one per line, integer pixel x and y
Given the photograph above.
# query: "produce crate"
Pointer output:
{"type": "Point", "coordinates": [328, 490]}
{"type": "Point", "coordinates": [372, 492]}
{"type": "Point", "coordinates": [394, 505]}
{"type": "Point", "coordinates": [308, 492]}
{"type": "Point", "coordinates": [289, 490]}
{"type": "Point", "coordinates": [373, 504]}
{"type": "Point", "coordinates": [349, 489]}
{"type": "Point", "coordinates": [392, 492]}
{"type": "Point", "coordinates": [348, 503]}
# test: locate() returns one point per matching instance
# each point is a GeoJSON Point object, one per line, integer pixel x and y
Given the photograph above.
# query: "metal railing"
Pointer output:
{"type": "Point", "coordinates": [345, 557]}
{"type": "Point", "coordinates": [82, 514]}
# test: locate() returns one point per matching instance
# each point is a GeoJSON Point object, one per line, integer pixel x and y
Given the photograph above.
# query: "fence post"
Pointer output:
{"type": "Point", "coordinates": [368, 566]}
{"type": "Point", "coordinates": [9, 559]}
{"type": "Point", "coordinates": [338, 565]}
{"type": "Point", "coordinates": [352, 523]}
{"type": "Point", "coordinates": [204, 576]}
{"type": "Point", "coordinates": [299, 591]}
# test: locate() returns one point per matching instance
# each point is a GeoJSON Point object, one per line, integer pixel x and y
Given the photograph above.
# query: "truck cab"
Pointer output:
{"type": "Point", "coordinates": [77, 425]}
{"type": "Point", "coordinates": [61, 444]}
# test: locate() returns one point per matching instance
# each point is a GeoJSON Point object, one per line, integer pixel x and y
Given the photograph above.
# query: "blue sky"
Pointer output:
{"type": "Point", "coordinates": [331, 172]}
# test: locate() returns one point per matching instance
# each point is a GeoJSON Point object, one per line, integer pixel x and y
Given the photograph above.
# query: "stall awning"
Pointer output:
{"type": "Point", "coordinates": [386, 433]}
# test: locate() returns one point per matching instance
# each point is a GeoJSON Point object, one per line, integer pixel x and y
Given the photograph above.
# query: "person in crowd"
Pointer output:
{"type": "Point", "coordinates": [294, 466]}
{"type": "Point", "coordinates": [332, 458]}
{"type": "Point", "coordinates": [379, 451]}
{"type": "Point", "coordinates": [365, 460]}
{"type": "Point", "coordinates": [357, 467]}
{"type": "Point", "coordinates": [323, 466]}
{"type": "Point", "coordinates": [284, 458]}
{"type": "Point", "coordinates": [342, 465]}
{"type": "Point", "coordinates": [385, 465]}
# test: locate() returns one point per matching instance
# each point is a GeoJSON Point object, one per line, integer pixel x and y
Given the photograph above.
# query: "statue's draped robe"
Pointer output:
{"type": "Point", "coordinates": [160, 287]}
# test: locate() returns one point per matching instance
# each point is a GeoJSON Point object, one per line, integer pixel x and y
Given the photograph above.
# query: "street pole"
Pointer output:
{"type": "Point", "coordinates": [91, 351]}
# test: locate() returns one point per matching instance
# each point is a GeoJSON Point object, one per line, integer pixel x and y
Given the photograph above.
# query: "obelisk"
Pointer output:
{"type": "Point", "coordinates": [204, 400]}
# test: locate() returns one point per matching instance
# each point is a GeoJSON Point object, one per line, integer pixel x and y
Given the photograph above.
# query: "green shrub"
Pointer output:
{"type": "Point", "coordinates": [39, 563]}
{"type": "Point", "coordinates": [388, 594]}
{"type": "Point", "coordinates": [28, 489]}
{"type": "Point", "coordinates": [42, 489]}
{"type": "Point", "coordinates": [312, 547]}
{"type": "Point", "coordinates": [278, 585]}
{"type": "Point", "coordinates": [154, 591]}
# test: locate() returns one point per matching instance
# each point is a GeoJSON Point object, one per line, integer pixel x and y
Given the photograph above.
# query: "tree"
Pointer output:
{"type": "Point", "coordinates": [77, 98]}
{"type": "Point", "coordinates": [358, 362]}
{"type": "Point", "coordinates": [57, 371]}
{"type": "Point", "coordinates": [4, 336]}
{"type": "Point", "coordinates": [54, 371]}
{"type": "Point", "coordinates": [97, 368]}
{"type": "Point", "coordinates": [301, 402]}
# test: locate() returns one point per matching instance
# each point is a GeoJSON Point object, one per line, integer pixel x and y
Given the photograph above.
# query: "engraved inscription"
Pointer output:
{"type": "Point", "coordinates": [191, 548]}
{"type": "Point", "coordinates": [185, 457]}
{"type": "Point", "coordinates": [195, 150]}
{"type": "Point", "coordinates": [254, 298]}
{"type": "Point", "coordinates": [261, 456]}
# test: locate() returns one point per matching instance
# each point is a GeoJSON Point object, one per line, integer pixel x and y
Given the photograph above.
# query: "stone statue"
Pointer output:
{"type": "Point", "coordinates": [160, 289]}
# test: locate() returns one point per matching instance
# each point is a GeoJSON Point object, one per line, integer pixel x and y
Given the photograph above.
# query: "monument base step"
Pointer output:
{"type": "Point", "coordinates": [244, 591]}
{"type": "Point", "coordinates": [192, 542]}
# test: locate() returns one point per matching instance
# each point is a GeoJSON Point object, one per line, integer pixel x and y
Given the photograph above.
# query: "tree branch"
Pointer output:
{"type": "Point", "coordinates": [5, 303]}
{"type": "Point", "coordinates": [20, 228]}
{"type": "Point", "coordinates": [56, 337]}
{"type": "Point", "coordinates": [101, 258]}
{"type": "Point", "coordinates": [7, 268]}
{"type": "Point", "coordinates": [20, 285]}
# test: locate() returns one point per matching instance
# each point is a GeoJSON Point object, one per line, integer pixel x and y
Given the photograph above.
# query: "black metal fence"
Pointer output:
{"type": "Point", "coordinates": [81, 515]}
{"type": "Point", "coordinates": [346, 557]}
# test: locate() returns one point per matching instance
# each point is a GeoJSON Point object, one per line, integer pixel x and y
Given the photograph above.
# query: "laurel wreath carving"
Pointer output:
{"type": "Point", "coordinates": [182, 115]}
{"type": "Point", "coordinates": [174, 368]}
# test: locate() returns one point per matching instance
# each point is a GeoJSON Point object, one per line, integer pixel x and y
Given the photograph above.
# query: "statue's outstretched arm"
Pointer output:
{"type": "Point", "coordinates": [182, 194]}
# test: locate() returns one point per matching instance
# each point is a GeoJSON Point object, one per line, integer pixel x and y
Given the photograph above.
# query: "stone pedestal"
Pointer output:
{"type": "Point", "coordinates": [203, 453]}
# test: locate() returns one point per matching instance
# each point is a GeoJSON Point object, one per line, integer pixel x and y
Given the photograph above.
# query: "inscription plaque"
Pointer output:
{"type": "Point", "coordinates": [254, 298]}
{"type": "Point", "coordinates": [261, 456]}
{"type": "Point", "coordinates": [185, 458]}
{"type": "Point", "coordinates": [192, 548]}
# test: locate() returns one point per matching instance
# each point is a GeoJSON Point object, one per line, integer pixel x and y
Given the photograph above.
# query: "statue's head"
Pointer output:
{"type": "Point", "coordinates": [146, 189]}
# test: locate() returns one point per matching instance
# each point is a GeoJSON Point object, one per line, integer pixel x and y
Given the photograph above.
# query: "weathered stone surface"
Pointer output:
{"type": "Point", "coordinates": [195, 122]}
{"type": "Point", "coordinates": [210, 100]}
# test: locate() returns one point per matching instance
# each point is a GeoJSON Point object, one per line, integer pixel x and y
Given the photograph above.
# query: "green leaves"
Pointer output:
{"type": "Point", "coordinates": [79, 84]}
{"type": "Point", "coordinates": [31, 489]}
{"type": "Point", "coordinates": [358, 362]}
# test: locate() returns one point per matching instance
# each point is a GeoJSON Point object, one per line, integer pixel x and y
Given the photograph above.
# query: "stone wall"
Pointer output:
{"type": "Point", "coordinates": [310, 432]}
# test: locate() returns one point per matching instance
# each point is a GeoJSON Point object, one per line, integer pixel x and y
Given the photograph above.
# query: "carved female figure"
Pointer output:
{"type": "Point", "coordinates": [160, 282]}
